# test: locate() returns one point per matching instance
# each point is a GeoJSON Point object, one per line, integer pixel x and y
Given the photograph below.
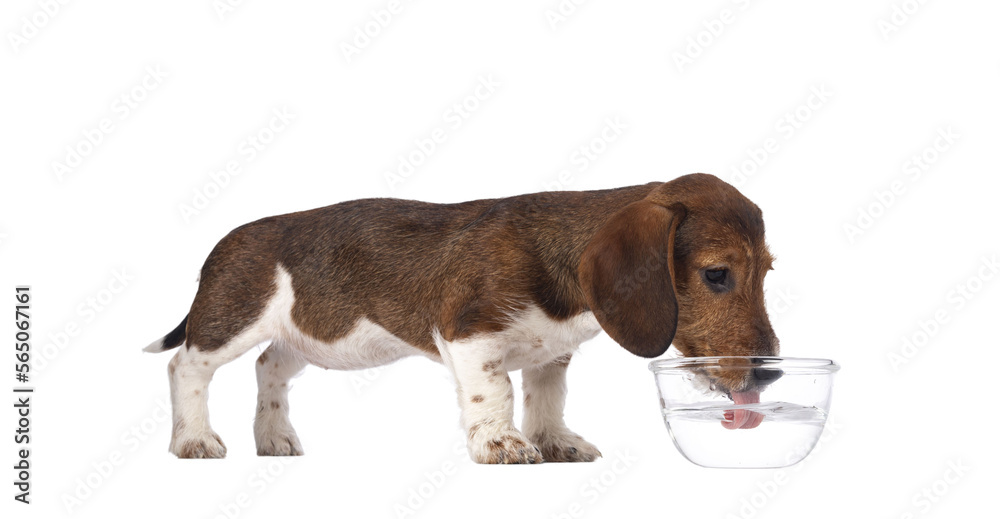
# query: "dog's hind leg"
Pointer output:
{"type": "Point", "coordinates": [242, 299]}
{"type": "Point", "coordinates": [272, 429]}
{"type": "Point", "coordinates": [190, 372]}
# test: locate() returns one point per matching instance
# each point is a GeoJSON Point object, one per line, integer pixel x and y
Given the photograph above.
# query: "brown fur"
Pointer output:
{"type": "Point", "coordinates": [635, 256]}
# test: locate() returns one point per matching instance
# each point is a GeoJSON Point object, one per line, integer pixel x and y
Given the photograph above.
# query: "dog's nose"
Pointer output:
{"type": "Point", "coordinates": [764, 376]}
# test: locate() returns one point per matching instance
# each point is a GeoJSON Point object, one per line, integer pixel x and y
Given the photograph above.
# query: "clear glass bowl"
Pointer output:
{"type": "Point", "coordinates": [744, 412]}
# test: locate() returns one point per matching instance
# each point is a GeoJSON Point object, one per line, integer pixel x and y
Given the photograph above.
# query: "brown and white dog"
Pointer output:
{"type": "Point", "coordinates": [484, 287]}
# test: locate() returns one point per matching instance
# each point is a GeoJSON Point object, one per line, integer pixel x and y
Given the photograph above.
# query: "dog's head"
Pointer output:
{"type": "Point", "coordinates": [685, 265]}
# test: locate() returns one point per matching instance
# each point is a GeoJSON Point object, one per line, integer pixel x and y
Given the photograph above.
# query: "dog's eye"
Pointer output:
{"type": "Point", "coordinates": [716, 276]}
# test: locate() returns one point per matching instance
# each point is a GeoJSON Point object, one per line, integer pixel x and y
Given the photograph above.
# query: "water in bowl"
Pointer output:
{"type": "Point", "coordinates": [787, 433]}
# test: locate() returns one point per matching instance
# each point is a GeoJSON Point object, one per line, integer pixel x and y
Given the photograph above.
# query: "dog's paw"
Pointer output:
{"type": "Point", "coordinates": [506, 446]}
{"type": "Point", "coordinates": [565, 446]}
{"type": "Point", "coordinates": [205, 445]}
{"type": "Point", "coordinates": [279, 444]}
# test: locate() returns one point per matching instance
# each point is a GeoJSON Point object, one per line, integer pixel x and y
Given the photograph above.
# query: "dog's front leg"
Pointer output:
{"type": "Point", "coordinates": [486, 397]}
{"type": "Point", "coordinates": [544, 399]}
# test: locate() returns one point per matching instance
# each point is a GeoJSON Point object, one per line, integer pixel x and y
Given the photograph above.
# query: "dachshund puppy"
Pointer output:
{"type": "Point", "coordinates": [484, 287]}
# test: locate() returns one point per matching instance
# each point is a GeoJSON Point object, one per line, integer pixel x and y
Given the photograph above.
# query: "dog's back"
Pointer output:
{"type": "Point", "coordinates": [408, 266]}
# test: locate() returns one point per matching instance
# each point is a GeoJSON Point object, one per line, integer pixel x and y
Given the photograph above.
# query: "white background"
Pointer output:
{"type": "Point", "coordinates": [373, 438]}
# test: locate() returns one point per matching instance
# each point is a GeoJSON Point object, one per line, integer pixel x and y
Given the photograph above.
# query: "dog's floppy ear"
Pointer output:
{"type": "Point", "coordinates": [627, 275]}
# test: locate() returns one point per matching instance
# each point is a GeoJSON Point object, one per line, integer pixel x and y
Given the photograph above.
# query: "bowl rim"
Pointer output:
{"type": "Point", "coordinates": [802, 365]}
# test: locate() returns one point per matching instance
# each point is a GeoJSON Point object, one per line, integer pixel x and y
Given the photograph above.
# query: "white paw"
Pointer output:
{"type": "Point", "coordinates": [202, 444]}
{"type": "Point", "coordinates": [564, 445]}
{"type": "Point", "coordinates": [504, 445]}
{"type": "Point", "coordinates": [285, 443]}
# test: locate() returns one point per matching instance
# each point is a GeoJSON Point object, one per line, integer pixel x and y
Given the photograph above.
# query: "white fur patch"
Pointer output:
{"type": "Point", "coordinates": [155, 346]}
{"type": "Point", "coordinates": [368, 345]}
{"type": "Point", "coordinates": [534, 339]}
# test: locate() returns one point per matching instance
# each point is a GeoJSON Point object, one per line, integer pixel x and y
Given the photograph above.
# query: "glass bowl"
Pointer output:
{"type": "Point", "coordinates": [744, 412]}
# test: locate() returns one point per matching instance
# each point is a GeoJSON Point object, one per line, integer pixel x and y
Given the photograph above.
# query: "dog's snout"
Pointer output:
{"type": "Point", "coordinates": [764, 376]}
{"type": "Point", "coordinates": [767, 341]}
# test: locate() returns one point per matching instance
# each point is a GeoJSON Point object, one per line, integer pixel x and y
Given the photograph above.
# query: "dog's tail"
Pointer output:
{"type": "Point", "coordinates": [170, 340]}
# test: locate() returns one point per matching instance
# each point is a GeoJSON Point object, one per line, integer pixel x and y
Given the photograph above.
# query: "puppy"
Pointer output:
{"type": "Point", "coordinates": [484, 287]}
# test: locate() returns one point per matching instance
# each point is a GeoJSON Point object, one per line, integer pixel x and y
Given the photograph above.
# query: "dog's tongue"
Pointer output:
{"type": "Point", "coordinates": [743, 418]}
